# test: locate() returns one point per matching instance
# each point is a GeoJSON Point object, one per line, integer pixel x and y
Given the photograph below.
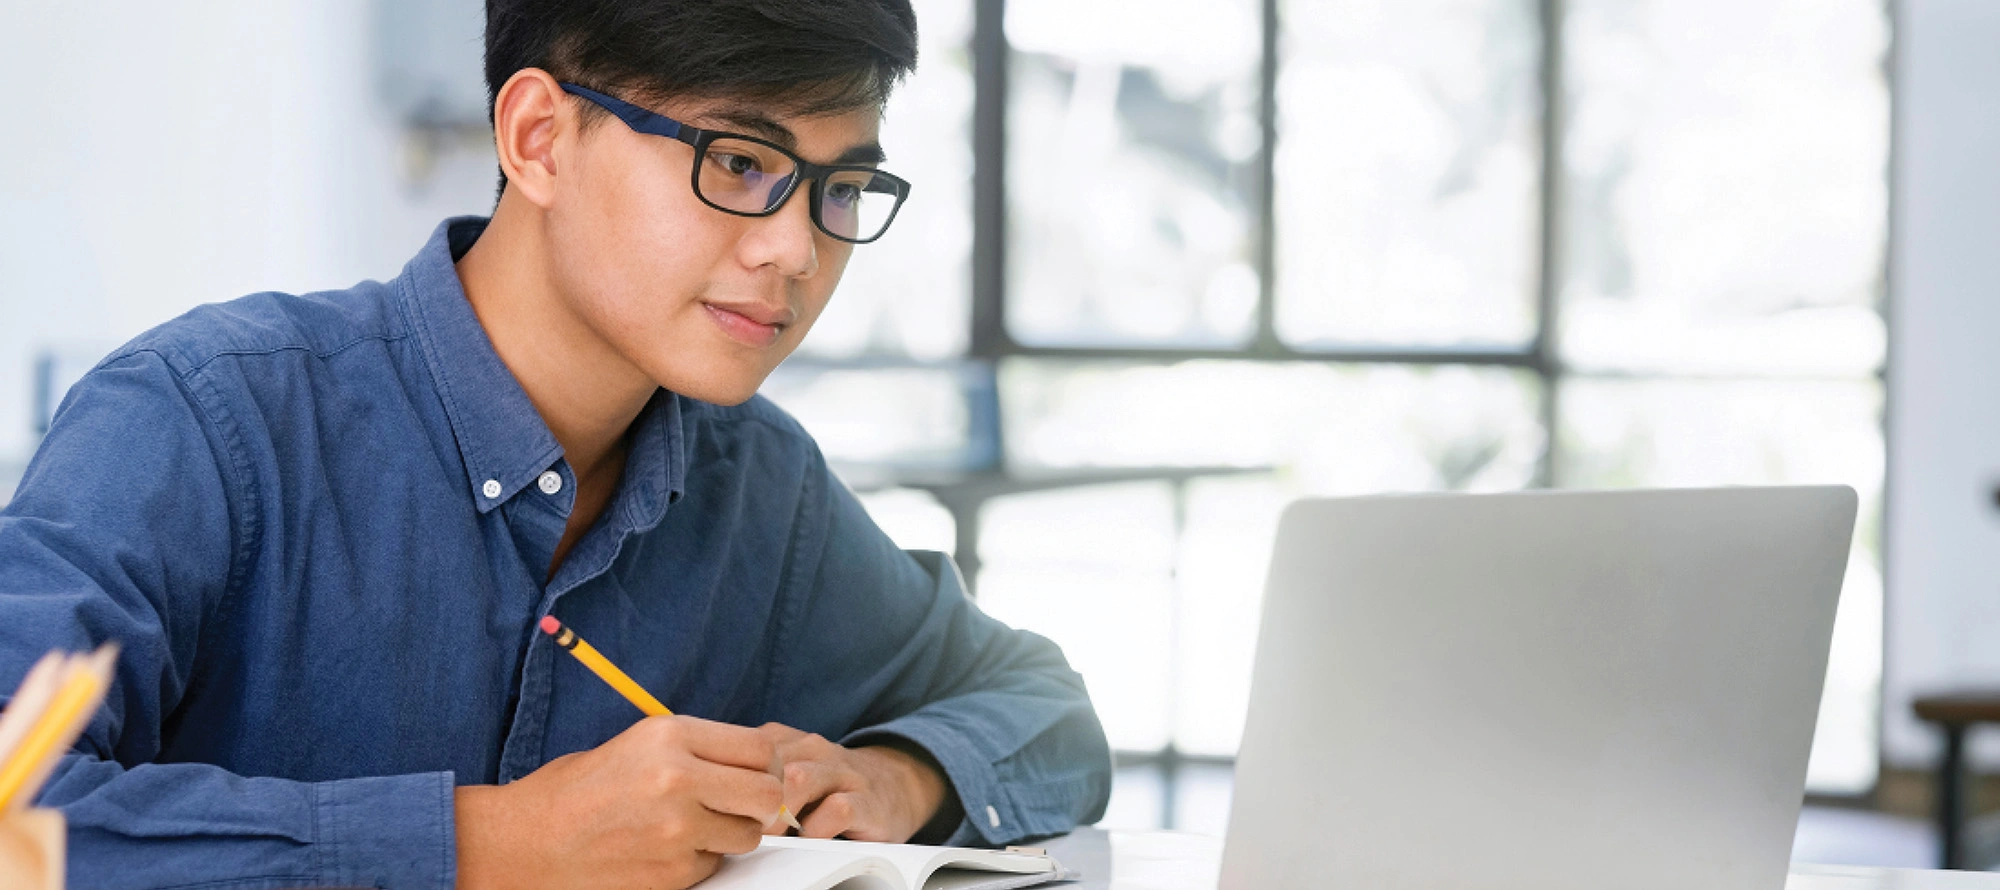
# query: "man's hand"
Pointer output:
{"type": "Point", "coordinates": [862, 794]}
{"type": "Point", "coordinates": [657, 806]}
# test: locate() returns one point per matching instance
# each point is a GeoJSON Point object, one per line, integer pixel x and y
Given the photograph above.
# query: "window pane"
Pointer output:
{"type": "Point", "coordinates": [1202, 793]}
{"type": "Point", "coordinates": [1138, 796]}
{"type": "Point", "coordinates": [1132, 140]}
{"type": "Point", "coordinates": [10, 477]}
{"type": "Point", "coordinates": [910, 294]}
{"type": "Point", "coordinates": [1202, 798]}
{"type": "Point", "coordinates": [1224, 555]}
{"type": "Point", "coordinates": [1725, 185]}
{"type": "Point", "coordinates": [867, 419]}
{"type": "Point", "coordinates": [1408, 170]}
{"type": "Point", "coordinates": [913, 519]}
{"type": "Point", "coordinates": [1338, 428]}
{"type": "Point", "coordinates": [1091, 569]}
{"type": "Point", "coordinates": [1698, 433]}
{"type": "Point", "coordinates": [1313, 429]}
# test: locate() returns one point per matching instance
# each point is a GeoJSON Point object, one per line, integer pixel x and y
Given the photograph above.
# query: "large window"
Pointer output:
{"type": "Point", "coordinates": [1169, 265]}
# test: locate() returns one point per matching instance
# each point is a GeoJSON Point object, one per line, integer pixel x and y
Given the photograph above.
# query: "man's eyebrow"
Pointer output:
{"type": "Point", "coordinates": [865, 153]}
{"type": "Point", "coordinates": [753, 124]}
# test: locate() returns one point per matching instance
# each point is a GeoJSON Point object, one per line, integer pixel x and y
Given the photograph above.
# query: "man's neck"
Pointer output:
{"type": "Point", "coordinates": [584, 390]}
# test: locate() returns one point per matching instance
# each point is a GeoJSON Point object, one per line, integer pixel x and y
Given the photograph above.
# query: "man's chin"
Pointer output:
{"type": "Point", "coordinates": [718, 377]}
{"type": "Point", "coordinates": [727, 399]}
{"type": "Point", "coordinates": [715, 390]}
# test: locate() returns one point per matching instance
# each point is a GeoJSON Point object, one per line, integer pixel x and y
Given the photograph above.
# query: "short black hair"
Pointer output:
{"type": "Point", "coordinates": [796, 57]}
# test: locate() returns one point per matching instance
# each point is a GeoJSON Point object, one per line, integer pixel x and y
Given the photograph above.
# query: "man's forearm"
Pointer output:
{"type": "Point", "coordinates": [187, 823]}
{"type": "Point", "coordinates": [1057, 772]}
{"type": "Point", "coordinates": [922, 782]}
{"type": "Point", "coordinates": [948, 811]}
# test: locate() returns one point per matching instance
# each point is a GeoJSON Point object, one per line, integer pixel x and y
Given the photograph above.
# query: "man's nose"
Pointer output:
{"type": "Point", "coordinates": [787, 240]}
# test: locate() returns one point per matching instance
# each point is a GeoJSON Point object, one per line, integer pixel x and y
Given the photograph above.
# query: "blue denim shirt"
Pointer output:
{"type": "Point", "coordinates": [320, 527]}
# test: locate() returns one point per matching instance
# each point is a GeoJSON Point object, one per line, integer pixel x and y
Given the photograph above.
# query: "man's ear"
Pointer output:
{"type": "Point", "coordinates": [528, 113]}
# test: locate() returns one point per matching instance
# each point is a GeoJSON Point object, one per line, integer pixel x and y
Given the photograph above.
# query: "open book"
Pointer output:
{"type": "Point", "coordinates": [791, 863]}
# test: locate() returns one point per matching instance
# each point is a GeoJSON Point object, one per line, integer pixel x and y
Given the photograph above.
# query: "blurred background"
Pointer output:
{"type": "Point", "coordinates": [1171, 264]}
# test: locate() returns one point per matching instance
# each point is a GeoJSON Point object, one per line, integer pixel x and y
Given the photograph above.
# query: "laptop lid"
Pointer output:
{"type": "Point", "coordinates": [1538, 691]}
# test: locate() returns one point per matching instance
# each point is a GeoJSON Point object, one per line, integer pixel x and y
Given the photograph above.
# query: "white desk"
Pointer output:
{"type": "Point", "coordinates": [1167, 860]}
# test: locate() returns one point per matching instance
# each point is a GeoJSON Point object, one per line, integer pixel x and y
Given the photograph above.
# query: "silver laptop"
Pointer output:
{"type": "Point", "coordinates": [1538, 691]}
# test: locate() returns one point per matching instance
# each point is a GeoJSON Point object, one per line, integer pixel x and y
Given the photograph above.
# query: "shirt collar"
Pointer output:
{"type": "Point", "coordinates": [501, 438]}
{"type": "Point", "coordinates": [656, 465]}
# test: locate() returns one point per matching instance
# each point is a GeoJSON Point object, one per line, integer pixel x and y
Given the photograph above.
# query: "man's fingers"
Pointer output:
{"type": "Point", "coordinates": [734, 791]}
{"type": "Point", "coordinates": [779, 733]}
{"type": "Point", "coordinates": [834, 816]}
{"type": "Point", "coordinates": [721, 743]}
{"type": "Point", "coordinates": [808, 781]}
{"type": "Point", "coordinates": [725, 834]}
{"type": "Point", "coordinates": [698, 869]}
{"type": "Point", "coordinates": [799, 745]}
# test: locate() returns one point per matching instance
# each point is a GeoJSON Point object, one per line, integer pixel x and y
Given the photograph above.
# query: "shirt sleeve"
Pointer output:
{"type": "Point", "coordinates": [999, 709]}
{"type": "Point", "coordinates": [128, 526]}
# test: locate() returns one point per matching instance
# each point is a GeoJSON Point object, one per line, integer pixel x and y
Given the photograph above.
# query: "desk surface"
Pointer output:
{"type": "Point", "coordinates": [1166, 860]}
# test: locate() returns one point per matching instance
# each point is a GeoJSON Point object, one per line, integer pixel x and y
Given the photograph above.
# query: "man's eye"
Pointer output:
{"type": "Point", "coordinates": [734, 164]}
{"type": "Point", "coordinates": [844, 192]}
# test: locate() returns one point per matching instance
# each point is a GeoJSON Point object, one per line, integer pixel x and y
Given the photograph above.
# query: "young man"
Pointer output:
{"type": "Point", "coordinates": [325, 527]}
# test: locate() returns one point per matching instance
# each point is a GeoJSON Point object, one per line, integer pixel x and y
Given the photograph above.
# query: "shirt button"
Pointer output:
{"type": "Point", "coordinates": [491, 489]}
{"type": "Point", "coordinates": [550, 483]}
{"type": "Point", "coordinates": [992, 817]}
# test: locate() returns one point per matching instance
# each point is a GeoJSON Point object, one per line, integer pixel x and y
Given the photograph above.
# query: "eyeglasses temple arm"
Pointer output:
{"type": "Point", "coordinates": [635, 117]}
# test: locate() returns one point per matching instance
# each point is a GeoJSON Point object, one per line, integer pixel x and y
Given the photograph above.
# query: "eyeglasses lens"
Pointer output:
{"type": "Point", "coordinates": [749, 177]}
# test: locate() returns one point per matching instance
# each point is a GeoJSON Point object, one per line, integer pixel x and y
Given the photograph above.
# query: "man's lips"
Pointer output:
{"type": "Point", "coordinates": [749, 324]}
{"type": "Point", "coordinates": [774, 316]}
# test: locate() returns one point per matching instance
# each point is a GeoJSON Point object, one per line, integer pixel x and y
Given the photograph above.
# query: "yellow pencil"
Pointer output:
{"type": "Point", "coordinates": [617, 679]}
{"type": "Point", "coordinates": [86, 677]}
{"type": "Point", "coordinates": [30, 699]}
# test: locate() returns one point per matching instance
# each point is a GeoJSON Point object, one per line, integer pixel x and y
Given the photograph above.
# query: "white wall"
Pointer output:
{"type": "Point", "coordinates": [1943, 529]}
{"type": "Point", "coordinates": [154, 156]}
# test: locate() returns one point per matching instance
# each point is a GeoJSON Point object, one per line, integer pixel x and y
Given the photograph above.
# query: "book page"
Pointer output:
{"type": "Point", "coordinates": [775, 867]}
{"type": "Point", "coordinates": [964, 879]}
{"type": "Point", "coordinates": [915, 863]}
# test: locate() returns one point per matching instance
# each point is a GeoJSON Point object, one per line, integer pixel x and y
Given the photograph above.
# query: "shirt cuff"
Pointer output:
{"type": "Point", "coordinates": [391, 831]}
{"type": "Point", "coordinates": [994, 816]}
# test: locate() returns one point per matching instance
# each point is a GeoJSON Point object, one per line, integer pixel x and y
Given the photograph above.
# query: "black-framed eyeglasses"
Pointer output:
{"type": "Point", "coordinates": [748, 176]}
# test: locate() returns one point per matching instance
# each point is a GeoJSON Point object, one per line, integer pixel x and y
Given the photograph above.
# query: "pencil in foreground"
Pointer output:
{"type": "Point", "coordinates": [619, 680]}
{"type": "Point", "coordinates": [54, 703]}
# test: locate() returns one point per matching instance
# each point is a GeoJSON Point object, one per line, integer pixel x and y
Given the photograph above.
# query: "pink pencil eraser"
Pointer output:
{"type": "Point", "coordinates": [550, 625]}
